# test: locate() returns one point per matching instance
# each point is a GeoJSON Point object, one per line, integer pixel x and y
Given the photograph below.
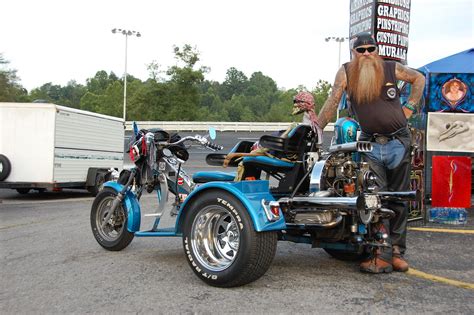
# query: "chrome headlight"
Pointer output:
{"type": "Point", "coordinates": [372, 202]}
{"type": "Point", "coordinates": [367, 205]}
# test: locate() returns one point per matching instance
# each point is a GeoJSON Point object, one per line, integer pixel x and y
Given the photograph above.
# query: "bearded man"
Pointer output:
{"type": "Point", "coordinates": [371, 87]}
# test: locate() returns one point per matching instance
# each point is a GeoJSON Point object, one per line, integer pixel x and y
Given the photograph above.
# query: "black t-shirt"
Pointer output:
{"type": "Point", "coordinates": [384, 115]}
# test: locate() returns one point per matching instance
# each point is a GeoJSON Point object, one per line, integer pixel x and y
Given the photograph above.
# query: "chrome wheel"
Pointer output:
{"type": "Point", "coordinates": [114, 227]}
{"type": "Point", "coordinates": [215, 237]}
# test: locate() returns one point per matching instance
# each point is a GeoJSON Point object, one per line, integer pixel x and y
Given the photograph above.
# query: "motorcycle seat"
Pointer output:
{"type": "Point", "coordinates": [205, 177]}
{"type": "Point", "coordinates": [266, 162]}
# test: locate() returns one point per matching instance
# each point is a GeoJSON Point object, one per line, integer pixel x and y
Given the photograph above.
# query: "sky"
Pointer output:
{"type": "Point", "coordinates": [58, 41]}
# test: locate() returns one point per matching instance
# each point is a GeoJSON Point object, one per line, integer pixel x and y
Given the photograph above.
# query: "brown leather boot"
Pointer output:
{"type": "Point", "coordinates": [376, 264]}
{"type": "Point", "coordinates": [398, 262]}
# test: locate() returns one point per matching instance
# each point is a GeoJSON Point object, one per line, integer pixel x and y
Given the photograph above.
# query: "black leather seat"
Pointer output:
{"type": "Point", "coordinates": [284, 162]}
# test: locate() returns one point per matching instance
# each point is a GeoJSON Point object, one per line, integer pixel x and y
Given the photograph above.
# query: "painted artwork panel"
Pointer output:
{"type": "Point", "coordinates": [450, 132]}
{"type": "Point", "coordinates": [451, 181]}
{"type": "Point", "coordinates": [451, 92]}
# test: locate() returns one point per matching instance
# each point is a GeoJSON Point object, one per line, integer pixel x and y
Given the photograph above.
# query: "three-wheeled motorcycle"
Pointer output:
{"type": "Point", "coordinates": [230, 223]}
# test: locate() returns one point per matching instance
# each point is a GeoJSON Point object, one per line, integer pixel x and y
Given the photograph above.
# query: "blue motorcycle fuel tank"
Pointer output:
{"type": "Point", "coordinates": [346, 129]}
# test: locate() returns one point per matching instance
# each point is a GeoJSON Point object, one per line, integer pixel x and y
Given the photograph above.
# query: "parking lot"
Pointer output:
{"type": "Point", "coordinates": [51, 263]}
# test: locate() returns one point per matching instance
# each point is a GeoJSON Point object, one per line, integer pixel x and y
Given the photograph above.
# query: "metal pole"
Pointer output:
{"type": "Point", "coordinates": [339, 60]}
{"type": "Point", "coordinates": [126, 33]}
{"type": "Point", "coordinates": [339, 40]}
{"type": "Point", "coordinates": [338, 66]}
{"type": "Point", "coordinates": [125, 83]}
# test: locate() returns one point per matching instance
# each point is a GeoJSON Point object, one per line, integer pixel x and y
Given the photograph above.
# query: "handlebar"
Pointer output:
{"type": "Point", "coordinates": [197, 138]}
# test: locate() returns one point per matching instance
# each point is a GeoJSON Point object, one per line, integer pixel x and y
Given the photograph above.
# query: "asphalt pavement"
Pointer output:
{"type": "Point", "coordinates": [51, 263]}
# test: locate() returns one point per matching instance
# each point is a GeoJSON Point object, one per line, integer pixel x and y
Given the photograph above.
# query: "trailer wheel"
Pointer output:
{"type": "Point", "coordinates": [5, 167]}
{"type": "Point", "coordinates": [98, 184]}
{"type": "Point", "coordinates": [23, 191]}
{"type": "Point", "coordinates": [220, 243]}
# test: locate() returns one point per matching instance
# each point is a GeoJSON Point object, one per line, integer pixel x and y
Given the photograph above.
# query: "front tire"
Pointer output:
{"type": "Point", "coordinates": [114, 236]}
{"type": "Point", "coordinates": [221, 244]}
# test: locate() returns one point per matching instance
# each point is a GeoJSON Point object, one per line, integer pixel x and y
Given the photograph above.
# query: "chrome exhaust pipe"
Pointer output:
{"type": "Point", "coordinates": [414, 195]}
{"type": "Point", "coordinates": [356, 146]}
{"type": "Point", "coordinates": [322, 202]}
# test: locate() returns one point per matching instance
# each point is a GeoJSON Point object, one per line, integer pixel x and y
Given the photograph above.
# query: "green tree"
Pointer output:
{"type": "Point", "coordinates": [48, 92]}
{"type": "Point", "coordinates": [280, 111]}
{"type": "Point", "coordinates": [184, 97]}
{"type": "Point", "coordinates": [260, 94]}
{"type": "Point", "coordinates": [149, 102]}
{"type": "Point", "coordinates": [154, 71]}
{"type": "Point", "coordinates": [321, 92]}
{"type": "Point", "coordinates": [10, 88]}
{"type": "Point", "coordinates": [99, 83]}
{"type": "Point", "coordinates": [235, 84]}
{"type": "Point", "coordinates": [69, 95]}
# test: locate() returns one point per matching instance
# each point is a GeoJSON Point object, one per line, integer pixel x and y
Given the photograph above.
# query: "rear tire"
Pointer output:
{"type": "Point", "coordinates": [221, 244]}
{"type": "Point", "coordinates": [346, 255]}
{"type": "Point", "coordinates": [5, 167]}
{"type": "Point", "coordinates": [114, 236]}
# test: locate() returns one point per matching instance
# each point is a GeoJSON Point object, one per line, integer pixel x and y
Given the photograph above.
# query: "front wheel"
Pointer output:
{"type": "Point", "coordinates": [113, 235]}
{"type": "Point", "coordinates": [220, 243]}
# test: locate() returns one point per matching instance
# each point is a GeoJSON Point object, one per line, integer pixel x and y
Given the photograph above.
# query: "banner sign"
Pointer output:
{"type": "Point", "coordinates": [387, 20]}
{"type": "Point", "coordinates": [362, 13]}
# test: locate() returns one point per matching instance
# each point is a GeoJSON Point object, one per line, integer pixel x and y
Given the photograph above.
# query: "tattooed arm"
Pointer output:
{"type": "Point", "coordinates": [330, 106]}
{"type": "Point", "coordinates": [417, 81]}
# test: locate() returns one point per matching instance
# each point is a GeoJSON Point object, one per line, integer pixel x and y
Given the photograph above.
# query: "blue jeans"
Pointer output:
{"type": "Point", "coordinates": [391, 166]}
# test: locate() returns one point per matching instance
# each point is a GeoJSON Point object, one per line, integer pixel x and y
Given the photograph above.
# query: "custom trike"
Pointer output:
{"type": "Point", "coordinates": [230, 223]}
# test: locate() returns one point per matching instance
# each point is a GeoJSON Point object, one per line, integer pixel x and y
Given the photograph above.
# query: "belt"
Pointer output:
{"type": "Point", "coordinates": [382, 139]}
{"type": "Point", "coordinates": [385, 138]}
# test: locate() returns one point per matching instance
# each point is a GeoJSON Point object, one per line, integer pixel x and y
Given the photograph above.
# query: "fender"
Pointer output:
{"type": "Point", "coordinates": [131, 204]}
{"type": "Point", "coordinates": [249, 193]}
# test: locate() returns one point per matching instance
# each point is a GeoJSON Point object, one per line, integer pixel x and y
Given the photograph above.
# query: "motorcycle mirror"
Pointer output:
{"type": "Point", "coordinates": [135, 128]}
{"type": "Point", "coordinates": [212, 133]}
{"type": "Point", "coordinates": [167, 152]}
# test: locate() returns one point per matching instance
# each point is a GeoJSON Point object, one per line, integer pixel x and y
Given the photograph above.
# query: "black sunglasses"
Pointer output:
{"type": "Point", "coordinates": [362, 50]}
{"type": "Point", "coordinates": [298, 101]}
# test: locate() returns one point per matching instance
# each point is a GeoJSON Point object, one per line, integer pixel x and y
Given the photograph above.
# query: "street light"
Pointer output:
{"type": "Point", "coordinates": [339, 40]}
{"type": "Point", "coordinates": [126, 33]}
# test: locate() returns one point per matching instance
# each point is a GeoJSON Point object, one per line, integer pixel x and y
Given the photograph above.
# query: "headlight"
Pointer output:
{"type": "Point", "coordinates": [367, 204]}
{"type": "Point", "coordinates": [372, 202]}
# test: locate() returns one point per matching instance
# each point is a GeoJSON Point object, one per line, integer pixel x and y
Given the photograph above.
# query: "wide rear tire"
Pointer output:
{"type": "Point", "coordinates": [220, 242]}
{"type": "Point", "coordinates": [114, 236]}
{"type": "Point", "coordinates": [346, 255]}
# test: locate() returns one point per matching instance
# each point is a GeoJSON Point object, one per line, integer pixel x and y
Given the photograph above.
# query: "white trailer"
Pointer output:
{"type": "Point", "coordinates": [47, 146]}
